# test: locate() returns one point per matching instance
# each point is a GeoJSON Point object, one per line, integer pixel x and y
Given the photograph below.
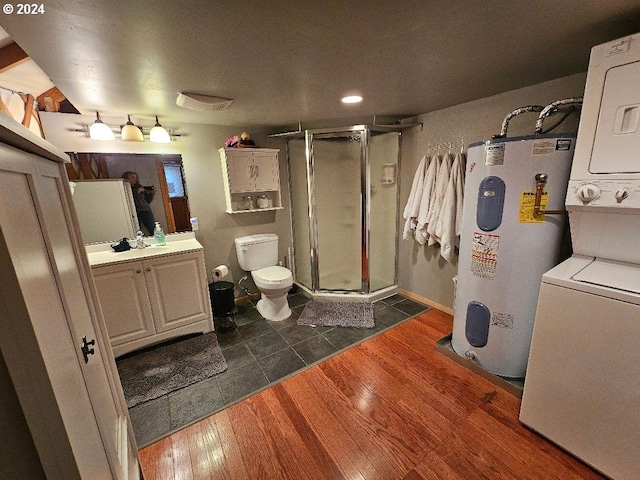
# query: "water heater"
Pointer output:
{"type": "Point", "coordinates": [506, 245]}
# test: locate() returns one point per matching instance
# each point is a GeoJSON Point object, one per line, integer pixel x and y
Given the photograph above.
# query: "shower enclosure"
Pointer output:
{"type": "Point", "coordinates": [344, 198]}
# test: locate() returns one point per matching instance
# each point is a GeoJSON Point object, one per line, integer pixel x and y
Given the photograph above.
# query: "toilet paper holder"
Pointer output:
{"type": "Point", "coordinates": [219, 272]}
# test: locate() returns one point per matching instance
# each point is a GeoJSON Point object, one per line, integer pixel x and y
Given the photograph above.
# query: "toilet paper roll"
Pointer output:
{"type": "Point", "coordinates": [220, 271]}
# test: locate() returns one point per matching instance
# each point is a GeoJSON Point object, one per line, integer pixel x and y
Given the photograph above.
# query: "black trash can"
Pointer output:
{"type": "Point", "coordinates": [223, 304]}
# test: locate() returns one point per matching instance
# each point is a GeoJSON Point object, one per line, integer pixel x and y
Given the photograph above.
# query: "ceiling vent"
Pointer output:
{"type": "Point", "coordinates": [195, 101]}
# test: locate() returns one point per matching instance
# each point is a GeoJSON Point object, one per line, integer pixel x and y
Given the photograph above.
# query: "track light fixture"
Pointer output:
{"type": "Point", "coordinates": [100, 131]}
{"type": "Point", "coordinates": [131, 133]}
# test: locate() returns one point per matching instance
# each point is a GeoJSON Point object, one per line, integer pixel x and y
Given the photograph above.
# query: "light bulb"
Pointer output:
{"type": "Point", "coordinates": [100, 131]}
{"type": "Point", "coordinates": [131, 133]}
{"type": "Point", "coordinates": [158, 134]}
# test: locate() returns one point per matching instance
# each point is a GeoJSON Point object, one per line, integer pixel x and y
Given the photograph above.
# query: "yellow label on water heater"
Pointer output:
{"type": "Point", "coordinates": [527, 203]}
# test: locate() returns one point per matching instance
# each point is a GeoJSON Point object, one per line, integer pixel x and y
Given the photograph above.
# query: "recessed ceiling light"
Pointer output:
{"type": "Point", "coordinates": [352, 99]}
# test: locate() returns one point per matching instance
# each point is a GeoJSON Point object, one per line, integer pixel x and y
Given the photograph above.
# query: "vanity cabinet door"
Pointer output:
{"type": "Point", "coordinates": [122, 290]}
{"type": "Point", "coordinates": [177, 288]}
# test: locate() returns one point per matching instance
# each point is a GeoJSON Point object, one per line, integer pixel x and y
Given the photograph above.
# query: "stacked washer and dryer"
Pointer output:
{"type": "Point", "coordinates": [582, 388]}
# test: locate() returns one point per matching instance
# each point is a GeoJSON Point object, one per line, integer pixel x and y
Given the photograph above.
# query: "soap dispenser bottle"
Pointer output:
{"type": "Point", "coordinates": [140, 239]}
{"type": "Point", "coordinates": [158, 234]}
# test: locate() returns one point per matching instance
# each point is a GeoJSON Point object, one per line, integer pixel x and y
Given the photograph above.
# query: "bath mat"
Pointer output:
{"type": "Point", "coordinates": [153, 373]}
{"type": "Point", "coordinates": [337, 314]}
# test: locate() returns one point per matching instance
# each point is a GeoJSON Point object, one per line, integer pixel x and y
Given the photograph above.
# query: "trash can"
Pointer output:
{"type": "Point", "coordinates": [223, 304]}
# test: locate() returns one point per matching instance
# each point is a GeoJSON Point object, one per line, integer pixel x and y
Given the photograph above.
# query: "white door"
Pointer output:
{"type": "Point", "coordinates": [87, 436]}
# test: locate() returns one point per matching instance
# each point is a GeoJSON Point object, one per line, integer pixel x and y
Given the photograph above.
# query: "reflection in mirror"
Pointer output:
{"type": "Point", "coordinates": [161, 174]}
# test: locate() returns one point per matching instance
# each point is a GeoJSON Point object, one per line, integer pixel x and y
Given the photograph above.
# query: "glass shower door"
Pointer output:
{"type": "Point", "coordinates": [337, 176]}
{"type": "Point", "coordinates": [300, 212]}
{"type": "Point", "coordinates": [383, 164]}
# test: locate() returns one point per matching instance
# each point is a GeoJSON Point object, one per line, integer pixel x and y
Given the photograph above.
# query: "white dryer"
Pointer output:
{"type": "Point", "coordinates": [582, 386]}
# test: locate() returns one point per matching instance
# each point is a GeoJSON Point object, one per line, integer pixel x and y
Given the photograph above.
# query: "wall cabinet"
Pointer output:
{"type": "Point", "coordinates": [153, 299]}
{"type": "Point", "coordinates": [74, 422]}
{"type": "Point", "coordinates": [250, 172]}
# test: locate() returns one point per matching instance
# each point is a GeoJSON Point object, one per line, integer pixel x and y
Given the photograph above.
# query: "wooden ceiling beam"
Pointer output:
{"type": "Point", "coordinates": [50, 100]}
{"type": "Point", "coordinates": [11, 56]}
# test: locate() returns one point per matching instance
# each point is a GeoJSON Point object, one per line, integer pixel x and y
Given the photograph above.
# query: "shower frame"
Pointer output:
{"type": "Point", "coordinates": [365, 132]}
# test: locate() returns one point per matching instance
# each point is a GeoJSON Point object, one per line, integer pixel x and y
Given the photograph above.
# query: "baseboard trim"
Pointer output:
{"type": "Point", "coordinates": [426, 301]}
{"type": "Point", "coordinates": [253, 296]}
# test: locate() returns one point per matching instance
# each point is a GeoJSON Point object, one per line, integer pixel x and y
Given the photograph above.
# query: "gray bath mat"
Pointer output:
{"type": "Point", "coordinates": [151, 374]}
{"type": "Point", "coordinates": [337, 314]}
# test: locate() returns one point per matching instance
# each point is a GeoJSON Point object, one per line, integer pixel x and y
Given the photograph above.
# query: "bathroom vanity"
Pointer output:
{"type": "Point", "coordinates": [153, 294]}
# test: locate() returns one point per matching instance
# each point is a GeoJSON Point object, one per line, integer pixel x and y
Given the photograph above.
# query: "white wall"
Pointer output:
{"type": "Point", "coordinates": [198, 145]}
{"type": "Point", "coordinates": [421, 269]}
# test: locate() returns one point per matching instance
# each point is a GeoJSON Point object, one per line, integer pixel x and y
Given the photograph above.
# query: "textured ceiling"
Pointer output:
{"type": "Point", "coordinates": [285, 62]}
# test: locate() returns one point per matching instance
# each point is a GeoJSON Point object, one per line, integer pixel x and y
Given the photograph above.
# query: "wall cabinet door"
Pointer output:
{"type": "Point", "coordinates": [267, 176]}
{"type": "Point", "coordinates": [70, 395]}
{"type": "Point", "coordinates": [122, 290]}
{"type": "Point", "coordinates": [176, 286]}
{"type": "Point", "coordinates": [240, 169]}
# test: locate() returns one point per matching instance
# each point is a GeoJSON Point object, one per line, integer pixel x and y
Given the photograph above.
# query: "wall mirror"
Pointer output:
{"type": "Point", "coordinates": [164, 172]}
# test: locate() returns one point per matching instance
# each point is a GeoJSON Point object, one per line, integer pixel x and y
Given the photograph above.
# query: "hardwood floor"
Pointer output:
{"type": "Point", "coordinates": [390, 408]}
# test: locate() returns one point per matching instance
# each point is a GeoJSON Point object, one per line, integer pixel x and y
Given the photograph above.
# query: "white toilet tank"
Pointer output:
{"type": "Point", "coordinates": [257, 251]}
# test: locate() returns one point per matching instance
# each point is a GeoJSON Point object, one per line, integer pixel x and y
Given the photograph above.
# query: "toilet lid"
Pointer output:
{"type": "Point", "coordinates": [273, 274]}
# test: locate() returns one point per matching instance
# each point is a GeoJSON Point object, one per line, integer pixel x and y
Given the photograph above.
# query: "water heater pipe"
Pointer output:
{"type": "Point", "coordinates": [516, 112]}
{"type": "Point", "coordinates": [541, 180]}
{"type": "Point", "coordinates": [553, 107]}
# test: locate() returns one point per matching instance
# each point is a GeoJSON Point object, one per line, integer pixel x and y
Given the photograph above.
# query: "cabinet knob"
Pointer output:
{"type": "Point", "coordinates": [148, 269]}
{"type": "Point", "coordinates": [138, 271]}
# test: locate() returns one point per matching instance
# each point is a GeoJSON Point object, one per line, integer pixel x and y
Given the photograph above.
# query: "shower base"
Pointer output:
{"type": "Point", "coordinates": [346, 296]}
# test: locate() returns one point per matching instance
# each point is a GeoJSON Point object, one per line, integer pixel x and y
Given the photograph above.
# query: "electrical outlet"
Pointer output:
{"type": "Point", "coordinates": [194, 223]}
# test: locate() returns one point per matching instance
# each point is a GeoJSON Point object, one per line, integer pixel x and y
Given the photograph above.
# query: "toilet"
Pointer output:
{"type": "Point", "coordinates": [258, 254]}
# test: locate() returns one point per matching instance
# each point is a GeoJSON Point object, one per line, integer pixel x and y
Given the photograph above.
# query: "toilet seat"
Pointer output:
{"type": "Point", "coordinates": [272, 277]}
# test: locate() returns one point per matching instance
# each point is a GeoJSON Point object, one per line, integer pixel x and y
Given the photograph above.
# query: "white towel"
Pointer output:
{"type": "Point", "coordinates": [449, 224]}
{"type": "Point", "coordinates": [441, 187]}
{"type": "Point", "coordinates": [413, 202]}
{"type": "Point", "coordinates": [423, 212]}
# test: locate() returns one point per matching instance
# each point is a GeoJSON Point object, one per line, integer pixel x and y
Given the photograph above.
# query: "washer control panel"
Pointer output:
{"type": "Point", "coordinates": [603, 193]}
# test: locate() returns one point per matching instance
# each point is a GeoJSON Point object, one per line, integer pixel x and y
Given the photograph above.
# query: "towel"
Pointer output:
{"type": "Point", "coordinates": [449, 225]}
{"type": "Point", "coordinates": [428, 191]}
{"type": "Point", "coordinates": [441, 187]}
{"type": "Point", "coordinates": [413, 202]}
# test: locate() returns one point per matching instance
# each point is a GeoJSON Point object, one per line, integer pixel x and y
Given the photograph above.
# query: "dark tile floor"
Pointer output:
{"type": "Point", "coordinates": [258, 354]}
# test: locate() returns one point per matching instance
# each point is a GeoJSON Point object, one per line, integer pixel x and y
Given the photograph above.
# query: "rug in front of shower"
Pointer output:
{"type": "Point", "coordinates": [337, 314]}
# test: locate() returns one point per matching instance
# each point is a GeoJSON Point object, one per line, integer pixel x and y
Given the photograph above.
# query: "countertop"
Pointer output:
{"type": "Point", "coordinates": [101, 254]}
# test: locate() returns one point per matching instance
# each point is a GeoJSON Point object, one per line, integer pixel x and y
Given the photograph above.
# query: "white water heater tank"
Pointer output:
{"type": "Point", "coordinates": [505, 247]}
